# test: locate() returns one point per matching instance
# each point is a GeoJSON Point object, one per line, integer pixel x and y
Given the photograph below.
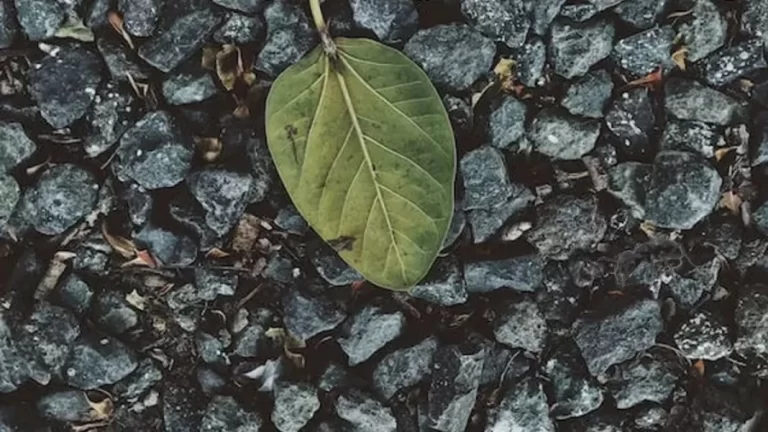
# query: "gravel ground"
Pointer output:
{"type": "Point", "coordinates": [606, 269]}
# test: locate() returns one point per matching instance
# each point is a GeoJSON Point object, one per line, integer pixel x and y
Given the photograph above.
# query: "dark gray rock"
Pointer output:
{"type": "Point", "coordinates": [186, 307]}
{"type": "Point", "coordinates": [485, 177]}
{"type": "Point", "coordinates": [485, 222]}
{"type": "Point", "coordinates": [751, 323]}
{"type": "Point", "coordinates": [368, 331]}
{"type": "Point", "coordinates": [714, 409]}
{"type": "Point", "coordinates": [96, 16]}
{"type": "Point", "coordinates": [651, 417]}
{"type": "Point", "coordinates": [531, 59]}
{"type": "Point", "coordinates": [631, 121]}
{"type": "Point", "coordinates": [576, 393]}
{"type": "Point", "coordinates": [759, 153]}
{"type": "Point", "coordinates": [15, 146]}
{"type": "Point", "coordinates": [46, 339]}
{"type": "Point", "coordinates": [456, 229]}
{"type": "Point", "coordinates": [66, 406]}
{"type": "Point", "coordinates": [15, 370]}
{"type": "Point", "coordinates": [8, 28]}
{"type": "Point", "coordinates": [95, 362]}
{"type": "Point", "coordinates": [75, 294]}
{"type": "Point", "coordinates": [40, 18]}
{"type": "Point", "coordinates": [649, 377]}
{"type": "Point", "coordinates": [604, 4]}
{"type": "Point", "coordinates": [641, 14]}
{"type": "Point", "coordinates": [391, 21]}
{"type": "Point", "coordinates": [290, 220]}
{"type": "Point", "coordinates": [306, 316]}
{"type": "Point", "coordinates": [502, 365]}
{"type": "Point", "coordinates": [246, 6]}
{"type": "Point", "coordinates": [733, 62]}
{"type": "Point", "coordinates": [506, 21]}
{"type": "Point", "coordinates": [183, 408]}
{"type": "Point", "coordinates": [562, 136]}
{"type": "Point", "coordinates": [154, 153]}
{"type": "Point", "coordinates": [588, 95]}
{"type": "Point", "coordinates": [211, 349]}
{"type": "Point", "coordinates": [225, 414]}
{"type": "Point", "coordinates": [362, 413]}
{"type": "Point", "coordinates": [520, 324]}
{"type": "Point", "coordinates": [64, 84]}
{"type": "Point", "coordinates": [627, 181]}
{"type": "Point", "coordinates": [576, 47]}
{"type": "Point", "coordinates": [121, 61]}
{"type": "Point", "coordinates": [705, 31]}
{"type": "Point", "coordinates": [567, 224]}
{"type": "Point", "coordinates": [332, 268]}
{"type": "Point", "coordinates": [336, 377]}
{"type": "Point", "coordinates": [704, 337]}
{"type": "Point", "coordinates": [726, 238]}
{"type": "Point", "coordinates": [690, 100]}
{"type": "Point", "coordinates": [443, 284]}
{"type": "Point", "coordinates": [185, 210]}
{"type": "Point", "coordinates": [522, 273]}
{"type": "Point", "coordinates": [689, 289]}
{"type": "Point", "coordinates": [454, 56]}
{"type": "Point", "coordinates": [61, 198]}
{"type": "Point", "coordinates": [189, 84]}
{"type": "Point", "coordinates": [295, 404]}
{"type": "Point", "coordinates": [507, 122]}
{"type": "Point", "coordinates": [642, 53]}
{"type": "Point", "coordinates": [542, 15]}
{"type": "Point", "coordinates": [280, 268]}
{"type": "Point", "coordinates": [754, 19]}
{"type": "Point", "coordinates": [460, 113]}
{"type": "Point", "coordinates": [139, 202]}
{"type": "Point", "coordinates": [456, 371]}
{"type": "Point", "coordinates": [168, 247]}
{"type": "Point", "coordinates": [579, 12]}
{"type": "Point", "coordinates": [210, 382]}
{"type": "Point", "coordinates": [140, 382]}
{"type": "Point", "coordinates": [170, 46]}
{"type": "Point", "coordinates": [212, 283]}
{"type": "Point", "coordinates": [240, 29]}
{"type": "Point", "coordinates": [9, 196]}
{"type": "Point", "coordinates": [523, 407]}
{"type": "Point", "coordinates": [618, 336]}
{"type": "Point", "coordinates": [404, 368]}
{"type": "Point", "coordinates": [289, 37]}
{"type": "Point", "coordinates": [684, 189]}
{"type": "Point", "coordinates": [113, 313]}
{"type": "Point", "coordinates": [108, 118]}
{"type": "Point", "coordinates": [691, 136]}
{"type": "Point", "coordinates": [222, 194]}
{"type": "Point", "coordinates": [140, 17]}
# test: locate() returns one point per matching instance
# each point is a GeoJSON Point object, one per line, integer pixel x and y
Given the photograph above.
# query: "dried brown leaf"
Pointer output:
{"type": "Point", "coordinates": [228, 65]}
{"type": "Point", "coordinates": [217, 253]}
{"type": "Point", "coordinates": [246, 234]}
{"type": "Point", "coordinates": [143, 259]}
{"type": "Point", "coordinates": [209, 148]}
{"type": "Point", "coordinates": [723, 152]}
{"type": "Point", "coordinates": [680, 56]}
{"type": "Point", "coordinates": [56, 268]}
{"type": "Point", "coordinates": [123, 246]}
{"type": "Point", "coordinates": [136, 300]}
{"type": "Point", "coordinates": [116, 21]}
{"type": "Point", "coordinates": [652, 81]}
{"type": "Point", "coordinates": [209, 57]}
{"type": "Point", "coordinates": [731, 201]}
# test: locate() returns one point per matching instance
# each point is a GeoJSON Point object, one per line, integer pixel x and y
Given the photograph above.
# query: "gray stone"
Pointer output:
{"type": "Point", "coordinates": [140, 17]}
{"type": "Point", "coordinates": [605, 4]}
{"type": "Point", "coordinates": [760, 218]}
{"type": "Point", "coordinates": [485, 177]}
{"type": "Point", "coordinates": [588, 95]}
{"type": "Point", "coordinates": [456, 371]}
{"type": "Point", "coordinates": [290, 220]}
{"type": "Point", "coordinates": [336, 377]}
{"type": "Point", "coordinates": [618, 336]}
{"type": "Point", "coordinates": [183, 408]}
{"type": "Point", "coordinates": [154, 153]}
{"type": "Point", "coordinates": [705, 32]}
{"type": "Point", "coordinates": [210, 382]}
{"type": "Point", "coordinates": [61, 198]}
{"type": "Point", "coordinates": [75, 294]}
{"type": "Point", "coordinates": [140, 382]}
{"type": "Point", "coordinates": [15, 370]}
{"type": "Point", "coordinates": [579, 12]}
{"type": "Point", "coordinates": [507, 122]}
{"type": "Point", "coordinates": [631, 121]}
{"type": "Point", "coordinates": [689, 289]}
{"type": "Point", "coordinates": [650, 377]}
{"type": "Point", "coordinates": [9, 196]}
{"type": "Point", "coordinates": [391, 21]}
{"type": "Point", "coordinates": [575, 392]}
{"type": "Point", "coordinates": [641, 14]}
{"type": "Point", "coordinates": [222, 194]}
{"type": "Point", "coordinates": [542, 15]}
{"type": "Point", "coordinates": [502, 365]}
{"type": "Point", "coordinates": [295, 404]}
{"type": "Point", "coordinates": [279, 268]}
{"type": "Point", "coordinates": [211, 283]}
{"type": "Point", "coordinates": [185, 210]}
{"type": "Point", "coordinates": [754, 19]}
{"type": "Point", "coordinates": [485, 222]}
{"type": "Point", "coordinates": [520, 324]}
{"type": "Point", "coordinates": [628, 182]}
{"type": "Point", "coordinates": [714, 409]}
{"type": "Point", "coordinates": [8, 28]}
{"type": "Point", "coordinates": [642, 53]}
{"type": "Point", "coordinates": [454, 56]}
{"type": "Point", "coordinates": [168, 247]}
{"type": "Point", "coordinates": [404, 368]}
{"type": "Point", "coordinates": [690, 100]}
{"type": "Point", "coordinates": [96, 16]}
{"type": "Point", "coordinates": [109, 117]}
{"type": "Point", "coordinates": [240, 29]}
{"type": "Point", "coordinates": [704, 337]}
{"type": "Point", "coordinates": [443, 285]}
{"type": "Point", "coordinates": [246, 6]}
{"type": "Point", "coordinates": [691, 136]}
{"type": "Point", "coordinates": [506, 21]}
{"type": "Point", "coordinates": [738, 60]}
{"type": "Point", "coordinates": [189, 84]}
{"type": "Point", "coordinates": [15, 146]}
{"type": "Point", "coordinates": [64, 84]}
{"type": "Point", "coordinates": [173, 44]}
{"type": "Point", "coordinates": [368, 331]}
{"type": "Point", "coordinates": [567, 224]}
{"type": "Point", "coordinates": [306, 316]}
{"type": "Point", "coordinates": [113, 313]}
{"type": "Point", "coordinates": [684, 189]}
{"type": "Point", "coordinates": [225, 414]}
{"type": "Point", "coordinates": [531, 59]}
{"type": "Point", "coordinates": [456, 229]}
{"type": "Point", "coordinates": [752, 323]}
{"type": "Point", "coordinates": [140, 203]}
{"type": "Point", "coordinates": [562, 136]}
{"type": "Point", "coordinates": [211, 348]}
{"type": "Point", "coordinates": [46, 340]}
{"type": "Point", "coordinates": [121, 61]}
{"type": "Point", "coordinates": [97, 362]}
{"type": "Point", "coordinates": [289, 37]}
{"type": "Point", "coordinates": [362, 413]}
{"type": "Point", "coordinates": [40, 18]}
{"type": "Point", "coordinates": [523, 407]}
{"type": "Point", "coordinates": [66, 406]}
{"type": "Point", "coordinates": [332, 268]}
{"type": "Point", "coordinates": [522, 273]}
{"type": "Point", "coordinates": [576, 47]}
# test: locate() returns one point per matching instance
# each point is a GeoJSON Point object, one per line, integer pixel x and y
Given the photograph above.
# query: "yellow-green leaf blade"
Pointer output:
{"type": "Point", "coordinates": [365, 149]}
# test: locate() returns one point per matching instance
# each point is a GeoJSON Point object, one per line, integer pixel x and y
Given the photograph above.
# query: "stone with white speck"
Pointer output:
{"type": "Point", "coordinates": [705, 32]}
{"type": "Point", "coordinates": [507, 21]}
{"type": "Point", "coordinates": [752, 322]}
{"type": "Point", "coordinates": [295, 404]}
{"type": "Point", "coordinates": [576, 393]}
{"type": "Point", "coordinates": [641, 14]}
{"type": "Point", "coordinates": [728, 64]}
{"type": "Point", "coordinates": [521, 325]}
{"type": "Point", "coordinates": [368, 331]}
{"type": "Point", "coordinates": [391, 21]}
{"type": "Point", "coordinates": [576, 47]}
{"type": "Point", "coordinates": [648, 377]}
{"type": "Point", "coordinates": [404, 368]}
{"type": "Point", "coordinates": [562, 136]}
{"type": "Point", "coordinates": [523, 407]}
{"type": "Point", "coordinates": [642, 53]}
{"type": "Point", "coordinates": [588, 95]}
{"type": "Point", "coordinates": [703, 337]}
{"type": "Point", "coordinates": [15, 146]}
{"type": "Point", "coordinates": [361, 412]}
{"type": "Point", "coordinates": [690, 100]}
{"type": "Point", "coordinates": [754, 19]}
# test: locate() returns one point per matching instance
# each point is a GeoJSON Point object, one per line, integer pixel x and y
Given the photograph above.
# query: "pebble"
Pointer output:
{"type": "Point", "coordinates": [688, 290]}
{"type": "Point", "coordinates": [443, 284]}
{"type": "Point", "coordinates": [189, 84]}
{"type": "Point", "coordinates": [456, 371]}
{"type": "Point", "coordinates": [728, 64]}
{"type": "Point", "coordinates": [183, 408]}
{"type": "Point", "coordinates": [520, 324]}
{"type": "Point", "coordinates": [306, 316]}
{"type": "Point", "coordinates": [543, 14]}
{"type": "Point", "coordinates": [113, 313]}
{"type": "Point", "coordinates": [576, 393]}
{"type": "Point", "coordinates": [63, 196]}
{"type": "Point", "coordinates": [562, 136]}
{"type": "Point", "coordinates": [691, 136]}
{"type": "Point", "coordinates": [754, 19]}
{"type": "Point", "coordinates": [618, 336]}
{"type": "Point", "coordinates": [566, 224]}
{"type": "Point", "coordinates": [642, 53]}
{"type": "Point", "coordinates": [66, 406]}
{"type": "Point", "coordinates": [133, 388]}
{"type": "Point", "coordinates": [631, 121]}
{"type": "Point", "coordinates": [290, 220]}
{"type": "Point", "coordinates": [168, 247]}
{"type": "Point", "coordinates": [222, 194]}
{"type": "Point", "coordinates": [690, 100]}
{"type": "Point", "coordinates": [454, 56]}
{"type": "Point", "coordinates": [588, 96]}
{"type": "Point", "coordinates": [523, 407]}
{"type": "Point", "coordinates": [751, 326]}
{"type": "Point", "coordinates": [485, 178]}
{"type": "Point", "coordinates": [392, 21]}
{"type": "Point", "coordinates": [211, 349]}
{"type": "Point", "coordinates": [185, 210]}
{"type": "Point", "coordinates": [502, 365]}
{"type": "Point", "coordinates": [46, 339]}
{"type": "Point", "coordinates": [140, 17]}
{"type": "Point", "coordinates": [505, 21]}
{"type": "Point", "coordinates": [332, 268]}
{"type": "Point", "coordinates": [15, 369]}
{"type": "Point", "coordinates": [289, 37]}
{"type": "Point", "coordinates": [225, 414]}
{"type": "Point", "coordinates": [641, 14]}
{"type": "Point", "coordinates": [9, 196]}
{"type": "Point", "coordinates": [368, 331]}
{"type": "Point", "coordinates": [705, 31]}
{"type": "Point", "coordinates": [404, 368]}
{"type": "Point", "coordinates": [456, 229]}
{"type": "Point", "coordinates": [154, 152]}
{"type": "Point", "coordinates": [295, 404]}
{"type": "Point", "coordinates": [523, 273]}
{"type": "Point", "coordinates": [9, 29]}
{"type": "Point", "coordinates": [75, 294]}
{"type": "Point", "coordinates": [760, 134]}
{"type": "Point", "coordinates": [703, 337]}
{"type": "Point", "coordinates": [40, 18]}
{"type": "Point", "coordinates": [108, 118]}
{"type": "Point", "coordinates": [15, 146]}
{"type": "Point", "coordinates": [531, 59]}
{"type": "Point", "coordinates": [506, 124]}
{"type": "Point", "coordinates": [650, 377]}
{"type": "Point", "coordinates": [363, 413]}
{"type": "Point", "coordinates": [246, 6]}
{"type": "Point", "coordinates": [579, 12]}
{"type": "Point", "coordinates": [240, 29]}
{"type": "Point", "coordinates": [64, 84]}
{"type": "Point", "coordinates": [95, 362]}
{"type": "Point", "coordinates": [576, 47]}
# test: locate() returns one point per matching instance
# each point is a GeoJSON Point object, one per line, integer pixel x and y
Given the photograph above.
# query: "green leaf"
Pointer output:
{"type": "Point", "coordinates": [365, 149]}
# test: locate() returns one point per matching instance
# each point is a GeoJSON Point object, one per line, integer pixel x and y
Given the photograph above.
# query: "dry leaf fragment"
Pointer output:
{"type": "Point", "coordinates": [699, 368]}
{"type": "Point", "coordinates": [123, 246]}
{"type": "Point", "coordinates": [290, 344]}
{"type": "Point", "coordinates": [679, 57]}
{"type": "Point", "coordinates": [228, 65]}
{"type": "Point", "coordinates": [116, 21]}
{"type": "Point", "coordinates": [136, 300]}
{"type": "Point", "coordinates": [53, 274]}
{"type": "Point", "coordinates": [209, 57]}
{"type": "Point", "coordinates": [74, 28]}
{"type": "Point", "coordinates": [209, 147]}
{"type": "Point", "coordinates": [722, 152]}
{"type": "Point", "coordinates": [652, 81]}
{"type": "Point", "coordinates": [731, 201]}
{"type": "Point", "coordinates": [143, 259]}
{"type": "Point", "coordinates": [101, 410]}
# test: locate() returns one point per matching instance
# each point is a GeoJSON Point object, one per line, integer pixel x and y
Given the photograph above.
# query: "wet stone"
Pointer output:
{"type": "Point", "coordinates": [505, 21]}
{"type": "Point", "coordinates": [443, 284]}
{"type": "Point", "coordinates": [295, 404]}
{"type": "Point", "coordinates": [222, 194]}
{"type": "Point", "coordinates": [642, 53]}
{"type": "Point", "coordinates": [61, 198]}
{"type": "Point", "coordinates": [588, 95]}
{"type": "Point", "coordinates": [245, 6]}
{"type": "Point", "coordinates": [404, 368]}
{"type": "Point", "coordinates": [691, 136]}
{"type": "Point", "coordinates": [690, 100]}
{"type": "Point", "coordinates": [631, 120]}
{"type": "Point", "coordinates": [65, 83]}
{"type": "Point", "coordinates": [733, 62]}
{"type": "Point", "coordinates": [113, 313]}
{"type": "Point", "coordinates": [486, 181]}
{"type": "Point", "coordinates": [154, 153]}
{"type": "Point", "coordinates": [66, 406]}
{"type": "Point", "coordinates": [576, 47]}
{"type": "Point", "coordinates": [576, 393]}
{"type": "Point", "coordinates": [9, 196]}
{"type": "Point", "coordinates": [306, 316]}
{"type": "Point", "coordinates": [332, 268]}
{"type": "Point", "coordinates": [754, 19]}
{"type": "Point", "coordinates": [240, 29]}
{"type": "Point", "coordinates": [456, 371]}
{"type": "Point", "coordinates": [15, 146]}
{"type": "Point", "coordinates": [140, 16]}
{"type": "Point", "coordinates": [40, 18]}
{"type": "Point", "coordinates": [522, 273]}
{"type": "Point", "coordinates": [121, 61]}
{"type": "Point", "coordinates": [705, 31]}
{"type": "Point", "coordinates": [617, 337]}
{"type": "Point", "coordinates": [95, 362]}
{"type": "Point", "coordinates": [507, 122]}
{"type": "Point", "coordinates": [168, 247]}
{"type": "Point", "coordinates": [453, 56]}
{"type": "Point", "coordinates": [531, 59]}
{"type": "Point", "coordinates": [361, 412]}
{"type": "Point", "coordinates": [225, 414]}
{"type": "Point", "coordinates": [650, 377]}
{"type": "Point", "coordinates": [704, 337]}
{"type": "Point", "coordinates": [523, 407]}
{"type": "Point", "coordinates": [567, 224]}
{"type": "Point", "coordinates": [641, 14]}
{"type": "Point", "coordinates": [520, 325]}
{"type": "Point", "coordinates": [751, 325]}
{"type": "Point", "coordinates": [562, 136]}
{"type": "Point", "coordinates": [391, 21]}
{"type": "Point", "coordinates": [189, 84]}
{"type": "Point", "coordinates": [368, 331]}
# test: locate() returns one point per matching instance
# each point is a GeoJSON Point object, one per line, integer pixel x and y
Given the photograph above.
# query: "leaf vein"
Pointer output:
{"type": "Point", "coordinates": [333, 165]}
{"type": "Point", "coordinates": [407, 159]}
{"type": "Point", "coordinates": [346, 198]}
{"type": "Point", "coordinates": [298, 96]}
{"type": "Point", "coordinates": [411, 203]}
{"type": "Point", "coordinates": [411, 241]}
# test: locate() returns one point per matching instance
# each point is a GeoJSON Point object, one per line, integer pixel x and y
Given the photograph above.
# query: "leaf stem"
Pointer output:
{"type": "Point", "coordinates": [329, 46]}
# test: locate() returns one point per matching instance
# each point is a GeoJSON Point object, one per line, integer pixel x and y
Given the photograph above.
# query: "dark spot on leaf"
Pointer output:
{"type": "Point", "coordinates": [290, 133]}
{"type": "Point", "coordinates": [342, 243]}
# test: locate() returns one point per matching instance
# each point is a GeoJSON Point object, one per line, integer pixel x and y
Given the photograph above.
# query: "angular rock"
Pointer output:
{"type": "Point", "coordinates": [391, 21]}
{"type": "Point", "coordinates": [64, 84]}
{"type": "Point", "coordinates": [61, 198]}
{"type": "Point", "coordinates": [306, 316]}
{"type": "Point", "coordinates": [617, 337]}
{"type": "Point", "coordinates": [15, 370]}
{"type": "Point", "coordinates": [121, 61]}
{"type": "Point", "coordinates": [588, 95]}
{"type": "Point", "coordinates": [332, 268]}
{"type": "Point", "coordinates": [8, 28]}
{"type": "Point", "coordinates": [507, 123]}
{"type": "Point", "coordinates": [631, 121]}
{"type": "Point", "coordinates": [690, 100]}
{"type": "Point", "coordinates": [689, 289]}
{"type": "Point", "coordinates": [641, 14]}
{"type": "Point", "coordinates": [705, 32]}
{"type": "Point", "coordinates": [454, 56]}
{"type": "Point", "coordinates": [650, 377]}
{"type": "Point", "coordinates": [486, 222]}
{"type": "Point", "coordinates": [240, 29]}
{"type": "Point", "coordinates": [15, 146]}
{"type": "Point", "coordinates": [733, 62]}
{"type": "Point", "coordinates": [754, 19]}
{"type": "Point", "coordinates": [211, 283]}
{"type": "Point", "coordinates": [684, 189]}
{"type": "Point", "coordinates": [40, 18]}
{"type": "Point", "coordinates": [703, 337]}
{"type": "Point", "coordinates": [245, 6]}
{"type": "Point", "coordinates": [290, 220]}
{"type": "Point", "coordinates": [562, 136]}
{"type": "Point", "coordinates": [567, 224]}
{"type": "Point", "coordinates": [168, 247]}
{"type": "Point", "coordinates": [97, 362]}
{"type": "Point", "coordinates": [140, 17]}
{"type": "Point", "coordinates": [362, 413]}
{"type": "Point", "coordinates": [113, 313]}
{"type": "Point", "coordinates": [542, 15]}
{"type": "Point", "coordinates": [368, 331]}
{"type": "Point", "coordinates": [189, 84]}
{"type": "Point", "coordinates": [505, 21]}
{"type": "Point", "coordinates": [185, 210]}
{"type": "Point", "coordinates": [289, 37]}
{"type": "Point", "coordinates": [66, 406]}
{"type": "Point", "coordinates": [456, 229]}
{"type": "Point", "coordinates": [486, 181]}
{"type": "Point", "coordinates": [225, 414]}
{"type": "Point", "coordinates": [752, 323]}
{"type": "Point", "coordinates": [154, 153]}
{"type": "Point", "coordinates": [75, 294]}
{"type": "Point", "coordinates": [579, 12]}
{"type": "Point", "coordinates": [443, 284]}
{"type": "Point", "coordinates": [295, 404]}
{"type": "Point", "coordinates": [576, 47]}
{"type": "Point", "coordinates": [456, 373]}
{"type": "Point", "coordinates": [522, 273]}
{"type": "Point", "coordinates": [531, 59]}
{"type": "Point", "coordinates": [138, 383]}
{"type": "Point", "coordinates": [760, 218]}
{"type": "Point", "coordinates": [404, 368]}
{"type": "Point", "coordinates": [183, 408]}
{"type": "Point", "coordinates": [502, 365]}
{"type": "Point", "coordinates": [522, 408]}
{"type": "Point", "coordinates": [109, 117]}
{"type": "Point", "coordinates": [576, 393]}
{"type": "Point", "coordinates": [9, 196]}
{"type": "Point", "coordinates": [642, 53]}
{"type": "Point", "coordinates": [521, 325]}
{"type": "Point", "coordinates": [46, 340]}
{"type": "Point", "coordinates": [222, 194]}
{"type": "Point", "coordinates": [691, 136]}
